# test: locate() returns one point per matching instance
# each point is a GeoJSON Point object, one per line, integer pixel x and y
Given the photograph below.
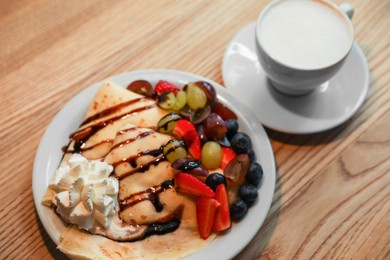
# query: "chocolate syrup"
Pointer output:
{"type": "Point", "coordinates": [142, 168]}
{"type": "Point", "coordinates": [150, 194]}
{"type": "Point", "coordinates": [79, 148]}
{"type": "Point", "coordinates": [111, 110]}
{"type": "Point", "coordinates": [81, 136]}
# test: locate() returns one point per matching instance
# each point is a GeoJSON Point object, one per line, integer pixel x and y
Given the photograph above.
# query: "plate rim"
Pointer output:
{"type": "Point", "coordinates": [223, 95]}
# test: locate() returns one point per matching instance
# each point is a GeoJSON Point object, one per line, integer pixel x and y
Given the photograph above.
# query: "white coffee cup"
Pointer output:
{"type": "Point", "coordinates": [301, 44]}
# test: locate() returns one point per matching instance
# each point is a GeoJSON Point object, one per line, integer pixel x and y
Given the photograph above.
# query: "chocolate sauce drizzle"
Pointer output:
{"type": "Point", "coordinates": [150, 194]}
{"type": "Point", "coordinates": [110, 110]}
{"type": "Point", "coordinates": [81, 148]}
{"type": "Point", "coordinates": [81, 136]}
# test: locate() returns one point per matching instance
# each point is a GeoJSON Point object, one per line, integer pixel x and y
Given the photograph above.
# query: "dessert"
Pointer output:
{"type": "Point", "coordinates": [151, 169]}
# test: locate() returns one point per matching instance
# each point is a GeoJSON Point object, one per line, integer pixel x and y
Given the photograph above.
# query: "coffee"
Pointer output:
{"type": "Point", "coordinates": [304, 34]}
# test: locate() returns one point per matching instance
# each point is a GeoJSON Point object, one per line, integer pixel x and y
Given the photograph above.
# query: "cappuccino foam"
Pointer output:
{"type": "Point", "coordinates": [304, 34]}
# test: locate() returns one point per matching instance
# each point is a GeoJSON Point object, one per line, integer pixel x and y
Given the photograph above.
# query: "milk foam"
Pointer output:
{"type": "Point", "coordinates": [304, 34]}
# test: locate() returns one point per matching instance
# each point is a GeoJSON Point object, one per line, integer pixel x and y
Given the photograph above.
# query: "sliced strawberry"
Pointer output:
{"type": "Point", "coordinates": [187, 132]}
{"type": "Point", "coordinates": [222, 217]}
{"type": "Point", "coordinates": [189, 184]}
{"type": "Point", "coordinates": [206, 209]}
{"type": "Point", "coordinates": [165, 86]}
{"type": "Point", "coordinates": [227, 155]}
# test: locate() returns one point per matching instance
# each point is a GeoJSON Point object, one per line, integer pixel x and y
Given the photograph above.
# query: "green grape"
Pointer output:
{"type": "Point", "coordinates": [167, 100]}
{"type": "Point", "coordinates": [174, 150]}
{"type": "Point", "coordinates": [181, 100]}
{"type": "Point", "coordinates": [211, 155]}
{"type": "Point", "coordinates": [168, 122]}
{"type": "Point", "coordinates": [196, 97]}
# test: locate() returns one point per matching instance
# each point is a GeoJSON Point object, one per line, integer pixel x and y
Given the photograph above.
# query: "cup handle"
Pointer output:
{"type": "Point", "coordinates": [347, 9]}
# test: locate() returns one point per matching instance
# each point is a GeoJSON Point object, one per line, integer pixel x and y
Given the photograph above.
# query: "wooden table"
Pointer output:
{"type": "Point", "coordinates": [332, 196]}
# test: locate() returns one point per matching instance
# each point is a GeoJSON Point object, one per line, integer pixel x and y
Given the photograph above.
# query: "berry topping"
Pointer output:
{"type": "Point", "coordinates": [165, 86]}
{"type": "Point", "coordinates": [238, 209]}
{"type": "Point", "coordinates": [189, 184]}
{"type": "Point", "coordinates": [227, 155]}
{"type": "Point", "coordinates": [241, 143]}
{"type": "Point", "coordinates": [206, 209]}
{"type": "Point", "coordinates": [254, 174]}
{"type": "Point", "coordinates": [232, 128]}
{"type": "Point", "coordinates": [222, 217]}
{"type": "Point", "coordinates": [248, 192]}
{"type": "Point", "coordinates": [214, 180]}
{"type": "Point", "coordinates": [187, 132]}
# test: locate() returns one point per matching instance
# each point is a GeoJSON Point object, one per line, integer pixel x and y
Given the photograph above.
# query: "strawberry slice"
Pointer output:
{"type": "Point", "coordinates": [189, 184]}
{"type": "Point", "coordinates": [227, 155]}
{"type": "Point", "coordinates": [165, 86]}
{"type": "Point", "coordinates": [222, 217]}
{"type": "Point", "coordinates": [206, 209]}
{"type": "Point", "coordinates": [187, 132]}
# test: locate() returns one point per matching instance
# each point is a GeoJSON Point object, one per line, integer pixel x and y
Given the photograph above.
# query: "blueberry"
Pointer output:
{"type": "Point", "coordinates": [238, 209]}
{"type": "Point", "coordinates": [254, 174]}
{"type": "Point", "coordinates": [248, 192]}
{"type": "Point", "coordinates": [241, 143]}
{"type": "Point", "coordinates": [252, 155]}
{"type": "Point", "coordinates": [214, 179]}
{"type": "Point", "coordinates": [232, 128]}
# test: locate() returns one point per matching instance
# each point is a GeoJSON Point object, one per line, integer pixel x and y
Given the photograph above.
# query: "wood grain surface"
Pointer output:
{"type": "Point", "coordinates": [332, 196]}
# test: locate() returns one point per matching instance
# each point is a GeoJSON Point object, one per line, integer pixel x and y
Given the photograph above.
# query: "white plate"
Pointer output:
{"type": "Point", "coordinates": [324, 108]}
{"type": "Point", "coordinates": [69, 118]}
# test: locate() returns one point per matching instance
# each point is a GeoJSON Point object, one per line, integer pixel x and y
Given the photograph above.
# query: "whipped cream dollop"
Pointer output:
{"type": "Point", "coordinates": [84, 193]}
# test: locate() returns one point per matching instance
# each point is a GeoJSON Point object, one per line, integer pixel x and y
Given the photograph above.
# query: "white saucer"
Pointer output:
{"type": "Point", "coordinates": [326, 107]}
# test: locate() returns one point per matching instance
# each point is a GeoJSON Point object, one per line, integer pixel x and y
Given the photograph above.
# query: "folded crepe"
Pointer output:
{"type": "Point", "coordinates": [119, 129]}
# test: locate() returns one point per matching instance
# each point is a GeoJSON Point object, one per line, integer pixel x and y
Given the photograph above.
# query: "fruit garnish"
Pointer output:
{"type": "Point", "coordinates": [237, 168]}
{"type": "Point", "coordinates": [196, 97]}
{"type": "Point", "coordinates": [200, 171]}
{"type": "Point", "coordinates": [222, 217]}
{"type": "Point", "coordinates": [180, 101]}
{"type": "Point", "coordinates": [214, 180]}
{"type": "Point", "coordinates": [142, 87]}
{"type": "Point", "coordinates": [241, 143]}
{"type": "Point", "coordinates": [185, 164]}
{"type": "Point", "coordinates": [211, 155]}
{"type": "Point", "coordinates": [208, 89]}
{"type": "Point", "coordinates": [227, 155]}
{"type": "Point", "coordinates": [165, 86]}
{"type": "Point", "coordinates": [215, 126]}
{"type": "Point", "coordinates": [248, 192]}
{"type": "Point", "coordinates": [166, 100]}
{"type": "Point", "coordinates": [223, 111]}
{"type": "Point", "coordinates": [206, 209]}
{"type": "Point", "coordinates": [232, 128]}
{"type": "Point", "coordinates": [168, 122]}
{"type": "Point", "coordinates": [189, 184]}
{"type": "Point", "coordinates": [196, 116]}
{"type": "Point", "coordinates": [185, 130]}
{"type": "Point", "coordinates": [174, 150]}
{"type": "Point", "coordinates": [254, 174]}
{"type": "Point", "coordinates": [238, 209]}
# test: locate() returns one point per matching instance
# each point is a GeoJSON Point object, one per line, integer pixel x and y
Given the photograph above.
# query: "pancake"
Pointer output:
{"type": "Point", "coordinates": [118, 129]}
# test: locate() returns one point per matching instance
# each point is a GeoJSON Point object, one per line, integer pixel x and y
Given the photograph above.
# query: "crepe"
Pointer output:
{"type": "Point", "coordinates": [119, 129]}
